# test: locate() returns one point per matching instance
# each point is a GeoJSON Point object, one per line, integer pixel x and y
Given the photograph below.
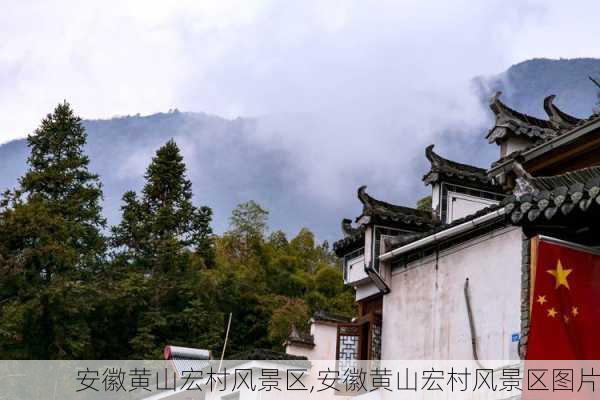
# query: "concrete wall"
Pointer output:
{"type": "Point", "coordinates": [425, 314]}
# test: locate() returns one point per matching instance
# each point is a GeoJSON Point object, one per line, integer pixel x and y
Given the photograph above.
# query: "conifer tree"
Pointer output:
{"type": "Point", "coordinates": [159, 226]}
{"type": "Point", "coordinates": [51, 244]}
{"type": "Point", "coordinates": [161, 244]}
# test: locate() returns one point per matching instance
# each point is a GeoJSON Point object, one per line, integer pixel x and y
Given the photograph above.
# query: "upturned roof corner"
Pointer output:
{"type": "Point", "coordinates": [511, 123]}
{"type": "Point", "coordinates": [444, 168]}
{"type": "Point", "coordinates": [377, 209]}
{"type": "Point", "coordinates": [558, 118]}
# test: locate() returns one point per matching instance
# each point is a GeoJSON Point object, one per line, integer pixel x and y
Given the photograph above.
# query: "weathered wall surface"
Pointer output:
{"type": "Point", "coordinates": [325, 335]}
{"type": "Point", "coordinates": [425, 315]}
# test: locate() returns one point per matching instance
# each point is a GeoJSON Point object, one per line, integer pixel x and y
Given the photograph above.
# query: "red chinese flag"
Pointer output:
{"type": "Point", "coordinates": [565, 304]}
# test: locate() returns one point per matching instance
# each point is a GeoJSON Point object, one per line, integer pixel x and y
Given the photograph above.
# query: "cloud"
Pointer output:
{"type": "Point", "coordinates": [351, 90]}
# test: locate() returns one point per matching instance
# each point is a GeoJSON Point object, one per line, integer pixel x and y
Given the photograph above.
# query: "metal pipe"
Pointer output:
{"type": "Point", "coordinates": [443, 234]}
{"type": "Point", "coordinates": [472, 324]}
{"type": "Point", "coordinates": [225, 343]}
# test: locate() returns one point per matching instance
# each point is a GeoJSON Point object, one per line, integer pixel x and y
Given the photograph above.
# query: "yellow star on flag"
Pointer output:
{"type": "Point", "coordinates": [552, 312]}
{"type": "Point", "coordinates": [560, 274]}
{"type": "Point", "coordinates": [566, 318]}
{"type": "Point", "coordinates": [542, 300]}
{"type": "Point", "coordinates": [575, 311]}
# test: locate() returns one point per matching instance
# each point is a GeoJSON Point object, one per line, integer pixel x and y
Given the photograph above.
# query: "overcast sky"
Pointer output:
{"type": "Point", "coordinates": [380, 79]}
{"type": "Point", "coordinates": [263, 57]}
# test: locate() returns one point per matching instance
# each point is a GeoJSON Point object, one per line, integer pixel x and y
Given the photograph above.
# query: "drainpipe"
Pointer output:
{"type": "Point", "coordinates": [376, 278]}
{"type": "Point", "coordinates": [472, 325]}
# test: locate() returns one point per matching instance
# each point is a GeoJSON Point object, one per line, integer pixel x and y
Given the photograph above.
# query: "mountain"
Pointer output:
{"type": "Point", "coordinates": [224, 164]}
{"type": "Point", "coordinates": [525, 85]}
{"type": "Point", "coordinates": [231, 161]}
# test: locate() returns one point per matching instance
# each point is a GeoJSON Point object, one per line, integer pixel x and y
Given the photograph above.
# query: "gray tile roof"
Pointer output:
{"type": "Point", "coordinates": [300, 338]}
{"type": "Point", "coordinates": [510, 122]}
{"type": "Point", "coordinates": [443, 168]}
{"type": "Point", "coordinates": [391, 212]}
{"type": "Point", "coordinates": [322, 315]}
{"type": "Point", "coordinates": [383, 212]}
{"type": "Point", "coordinates": [556, 195]}
{"type": "Point", "coordinates": [540, 131]}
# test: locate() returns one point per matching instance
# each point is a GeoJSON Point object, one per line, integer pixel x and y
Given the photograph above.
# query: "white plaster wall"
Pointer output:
{"type": "Point", "coordinates": [513, 144]}
{"type": "Point", "coordinates": [356, 271]}
{"type": "Point", "coordinates": [325, 339]}
{"type": "Point", "coordinates": [365, 290]}
{"type": "Point", "coordinates": [435, 198]}
{"type": "Point", "coordinates": [325, 335]}
{"type": "Point", "coordinates": [425, 314]}
{"type": "Point", "coordinates": [460, 205]}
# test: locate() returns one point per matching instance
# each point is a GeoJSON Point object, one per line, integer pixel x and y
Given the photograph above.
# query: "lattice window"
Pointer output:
{"type": "Point", "coordinates": [375, 341]}
{"type": "Point", "coordinates": [348, 345]}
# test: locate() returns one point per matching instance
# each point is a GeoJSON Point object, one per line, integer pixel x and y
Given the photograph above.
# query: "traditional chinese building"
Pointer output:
{"type": "Point", "coordinates": [454, 281]}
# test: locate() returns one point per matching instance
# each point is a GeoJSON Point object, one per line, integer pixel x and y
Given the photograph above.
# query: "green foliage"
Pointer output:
{"type": "Point", "coordinates": [157, 229]}
{"type": "Point", "coordinates": [51, 245]}
{"type": "Point", "coordinates": [163, 279]}
{"type": "Point", "coordinates": [424, 204]}
{"type": "Point", "coordinates": [290, 280]}
{"type": "Point", "coordinates": [249, 219]}
{"type": "Point", "coordinates": [288, 312]}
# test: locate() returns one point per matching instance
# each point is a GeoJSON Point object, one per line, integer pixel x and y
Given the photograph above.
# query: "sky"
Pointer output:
{"type": "Point", "coordinates": [380, 79]}
{"type": "Point", "coordinates": [250, 58]}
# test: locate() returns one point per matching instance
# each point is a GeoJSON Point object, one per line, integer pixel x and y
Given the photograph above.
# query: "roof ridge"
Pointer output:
{"type": "Point", "coordinates": [499, 109]}
{"type": "Point", "coordinates": [438, 160]}
{"type": "Point", "coordinates": [453, 169]}
{"type": "Point", "coordinates": [322, 315]}
{"type": "Point", "coordinates": [370, 202]}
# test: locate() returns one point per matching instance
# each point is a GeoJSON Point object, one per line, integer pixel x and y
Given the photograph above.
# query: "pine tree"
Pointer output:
{"type": "Point", "coordinates": [51, 244]}
{"type": "Point", "coordinates": [58, 176]}
{"type": "Point", "coordinates": [160, 226]}
{"type": "Point", "coordinates": [161, 246]}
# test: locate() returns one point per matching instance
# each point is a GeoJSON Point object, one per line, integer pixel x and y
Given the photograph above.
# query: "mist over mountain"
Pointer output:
{"type": "Point", "coordinates": [525, 85]}
{"type": "Point", "coordinates": [307, 180]}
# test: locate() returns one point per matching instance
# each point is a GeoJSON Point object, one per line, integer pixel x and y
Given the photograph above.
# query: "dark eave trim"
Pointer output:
{"type": "Point", "coordinates": [545, 147]}
{"type": "Point", "coordinates": [452, 231]}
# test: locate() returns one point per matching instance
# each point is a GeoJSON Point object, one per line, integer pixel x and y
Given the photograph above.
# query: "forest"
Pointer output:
{"type": "Point", "coordinates": [72, 287]}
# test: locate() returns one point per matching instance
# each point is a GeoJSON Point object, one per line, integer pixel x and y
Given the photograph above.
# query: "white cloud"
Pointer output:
{"type": "Point", "coordinates": [262, 57]}
{"type": "Point", "coordinates": [380, 79]}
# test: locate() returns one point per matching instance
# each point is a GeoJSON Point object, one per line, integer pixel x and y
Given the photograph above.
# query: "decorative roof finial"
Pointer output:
{"type": "Point", "coordinates": [524, 180]}
{"type": "Point", "coordinates": [558, 118]}
{"type": "Point", "coordinates": [495, 104]}
{"type": "Point", "coordinates": [347, 228]}
{"type": "Point", "coordinates": [433, 157]}
{"type": "Point", "coordinates": [363, 196]}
